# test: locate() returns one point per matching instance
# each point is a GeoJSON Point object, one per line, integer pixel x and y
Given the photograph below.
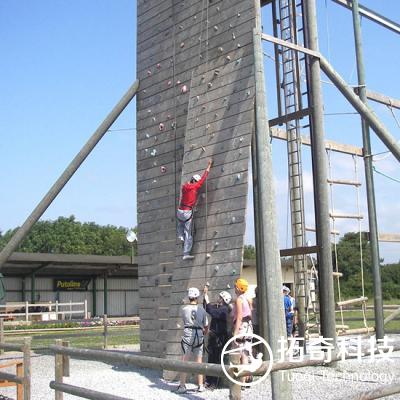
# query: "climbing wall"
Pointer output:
{"type": "Point", "coordinates": [196, 101]}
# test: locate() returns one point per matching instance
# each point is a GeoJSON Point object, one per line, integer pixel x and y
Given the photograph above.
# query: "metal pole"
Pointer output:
{"type": "Point", "coordinates": [369, 181]}
{"type": "Point", "coordinates": [94, 295]}
{"type": "Point", "coordinates": [67, 174]}
{"type": "Point", "coordinates": [105, 295]}
{"type": "Point", "coordinates": [270, 278]}
{"type": "Point", "coordinates": [33, 288]}
{"type": "Point", "coordinates": [370, 117]}
{"type": "Point", "coordinates": [1, 334]}
{"type": "Point", "coordinates": [105, 332]}
{"type": "Point", "coordinates": [321, 194]}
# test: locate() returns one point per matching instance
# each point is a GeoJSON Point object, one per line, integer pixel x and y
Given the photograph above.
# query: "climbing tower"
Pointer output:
{"type": "Point", "coordinates": [196, 102]}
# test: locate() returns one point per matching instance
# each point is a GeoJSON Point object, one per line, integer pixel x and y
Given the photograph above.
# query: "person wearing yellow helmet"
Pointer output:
{"type": "Point", "coordinates": [242, 320]}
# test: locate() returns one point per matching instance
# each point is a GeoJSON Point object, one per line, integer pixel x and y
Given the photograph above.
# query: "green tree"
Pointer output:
{"type": "Point", "coordinates": [68, 236]}
{"type": "Point", "coordinates": [249, 252]}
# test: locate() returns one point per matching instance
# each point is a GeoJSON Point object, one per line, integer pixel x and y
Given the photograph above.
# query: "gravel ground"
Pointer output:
{"type": "Point", "coordinates": [328, 383]}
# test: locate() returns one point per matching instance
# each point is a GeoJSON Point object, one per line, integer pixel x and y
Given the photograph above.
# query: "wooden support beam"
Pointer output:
{"type": "Point", "coordinates": [277, 133]}
{"type": "Point", "coordinates": [298, 251]}
{"type": "Point", "coordinates": [381, 98]}
{"type": "Point", "coordinates": [345, 216]}
{"type": "Point", "coordinates": [312, 229]}
{"type": "Point", "coordinates": [389, 237]}
{"type": "Point", "coordinates": [392, 316]}
{"type": "Point", "coordinates": [337, 274]}
{"type": "Point", "coordinates": [289, 117]}
{"type": "Point", "coordinates": [352, 301]}
{"type": "Point", "coordinates": [292, 46]}
{"type": "Point", "coordinates": [344, 182]}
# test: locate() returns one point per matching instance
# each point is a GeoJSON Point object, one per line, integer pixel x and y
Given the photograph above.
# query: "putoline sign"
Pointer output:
{"type": "Point", "coordinates": [71, 284]}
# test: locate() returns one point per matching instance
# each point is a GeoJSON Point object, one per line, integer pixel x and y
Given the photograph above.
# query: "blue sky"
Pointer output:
{"type": "Point", "coordinates": [66, 63]}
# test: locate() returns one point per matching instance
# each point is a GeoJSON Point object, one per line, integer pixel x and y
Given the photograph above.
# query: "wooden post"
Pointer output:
{"type": "Point", "coordinates": [235, 390]}
{"type": "Point", "coordinates": [66, 370]}
{"type": "Point", "coordinates": [59, 373]}
{"type": "Point", "coordinates": [27, 368]}
{"type": "Point", "coordinates": [86, 309]}
{"type": "Point", "coordinates": [26, 311]}
{"type": "Point", "coordinates": [393, 315]}
{"type": "Point", "coordinates": [105, 334]}
{"type": "Point", "coordinates": [1, 334]}
{"type": "Point", "coordinates": [20, 388]}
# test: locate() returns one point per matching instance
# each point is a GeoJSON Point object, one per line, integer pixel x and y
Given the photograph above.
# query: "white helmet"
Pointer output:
{"type": "Point", "coordinates": [226, 297]}
{"type": "Point", "coordinates": [196, 177]}
{"type": "Point", "coordinates": [193, 293]}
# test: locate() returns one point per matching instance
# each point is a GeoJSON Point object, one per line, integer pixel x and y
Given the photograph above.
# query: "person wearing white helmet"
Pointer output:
{"type": "Point", "coordinates": [288, 307]}
{"type": "Point", "coordinates": [218, 333]}
{"type": "Point", "coordinates": [195, 325]}
{"type": "Point", "coordinates": [184, 214]}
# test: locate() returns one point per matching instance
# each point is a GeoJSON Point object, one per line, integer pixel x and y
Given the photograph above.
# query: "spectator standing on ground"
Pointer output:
{"type": "Point", "coordinates": [218, 332]}
{"type": "Point", "coordinates": [184, 214]}
{"type": "Point", "coordinates": [242, 321]}
{"type": "Point", "coordinates": [288, 306]}
{"type": "Point", "coordinates": [195, 325]}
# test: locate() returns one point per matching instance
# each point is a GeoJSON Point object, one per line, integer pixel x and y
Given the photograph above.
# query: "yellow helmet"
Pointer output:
{"type": "Point", "coordinates": [242, 285]}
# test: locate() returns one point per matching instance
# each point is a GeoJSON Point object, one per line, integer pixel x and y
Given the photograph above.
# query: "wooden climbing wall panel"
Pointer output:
{"type": "Point", "coordinates": [196, 101]}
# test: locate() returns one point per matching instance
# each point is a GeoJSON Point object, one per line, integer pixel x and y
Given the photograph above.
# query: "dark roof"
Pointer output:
{"type": "Point", "coordinates": [44, 264]}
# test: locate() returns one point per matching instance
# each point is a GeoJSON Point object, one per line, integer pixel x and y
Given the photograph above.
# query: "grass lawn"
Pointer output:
{"type": "Point", "coordinates": [117, 336]}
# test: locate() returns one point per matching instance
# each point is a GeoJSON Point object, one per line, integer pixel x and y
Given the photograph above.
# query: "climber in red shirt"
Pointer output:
{"type": "Point", "coordinates": [184, 214]}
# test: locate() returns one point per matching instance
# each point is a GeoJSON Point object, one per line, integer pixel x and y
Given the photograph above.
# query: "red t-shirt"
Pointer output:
{"type": "Point", "coordinates": [190, 192]}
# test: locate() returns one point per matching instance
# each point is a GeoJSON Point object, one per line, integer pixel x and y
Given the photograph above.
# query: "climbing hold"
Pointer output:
{"type": "Point", "coordinates": [158, 66]}
{"type": "Point", "coordinates": [215, 232]}
{"type": "Point", "coordinates": [225, 99]}
{"type": "Point", "coordinates": [241, 139]}
{"type": "Point", "coordinates": [208, 255]}
{"type": "Point", "coordinates": [153, 152]}
{"type": "Point", "coordinates": [208, 126]}
{"type": "Point", "coordinates": [149, 111]}
{"type": "Point", "coordinates": [148, 73]}
{"type": "Point", "coordinates": [233, 220]}
{"type": "Point", "coordinates": [146, 150]}
{"type": "Point", "coordinates": [222, 169]}
{"type": "Point", "coordinates": [154, 119]}
{"type": "Point", "coordinates": [154, 180]}
{"type": "Point", "coordinates": [161, 126]}
{"type": "Point", "coordinates": [220, 49]}
{"type": "Point", "coordinates": [182, 45]}
{"type": "Point", "coordinates": [233, 36]}
{"type": "Point", "coordinates": [248, 93]}
{"type": "Point", "coordinates": [238, 61]}
{"type": "Point", "coordinates": [184, 89]}
{"type": "Point", "coordinates": [169, 83]}
{"type": "Point", "coordinates": [228, 58]}
{"type": "Point", "coordinates": [239, 45]}
{"type": "Point", "coordinates": [238, 177]}
{"type": "Point", "coordinates": [203, 149]}
{"type": "Point", "coordinates": [216, 72]}
{"type": "Point", "coordinates": [195, 17]}
{"type": "Point", "coordinates": [197, 98]}
{"type": "Point", "coordinates": [217, 8]}
{"type": "Point", "coordinates": [203, 108]}
{"type": "Point", "coordinates": [228, 286]}
{"type": "Point", "coordinates": [203, 195]}
{"type": "Point", "coordinates": [180, 26]}
{"type": "Point", "coordinates": [216, 268]}
{"type": "Point", "coordinates": [196, 120]}
{"type": "Point", "coordinates": [178, 82]}
{"type": "Point", "coordinates": [215, 115]}
{"type": "Point", "coordinates": [163, 169]}
{"type": "Point", "coordinates": [233, 271]}
{"type": "Point", "coordinates": [155, 138]}
{"type": "Point", "coordinates": [230, 26]}
{"type": "Point", "coordinates": [147, 135]}
{"type": "Point", "coordinates": [216, 244]}
{"type": "Point", "coordinates": [209, 85]}
{"type": "Point", "coordinates": [173, 124]}
{"type": "Point", "coordinates": [144, 90]}
{"type": "Point", "coordinates": [169, 116]}
{"type": "Point", "coordinates": [238, 15]}
{"type": "Point", "coordinates": [215, 28]}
